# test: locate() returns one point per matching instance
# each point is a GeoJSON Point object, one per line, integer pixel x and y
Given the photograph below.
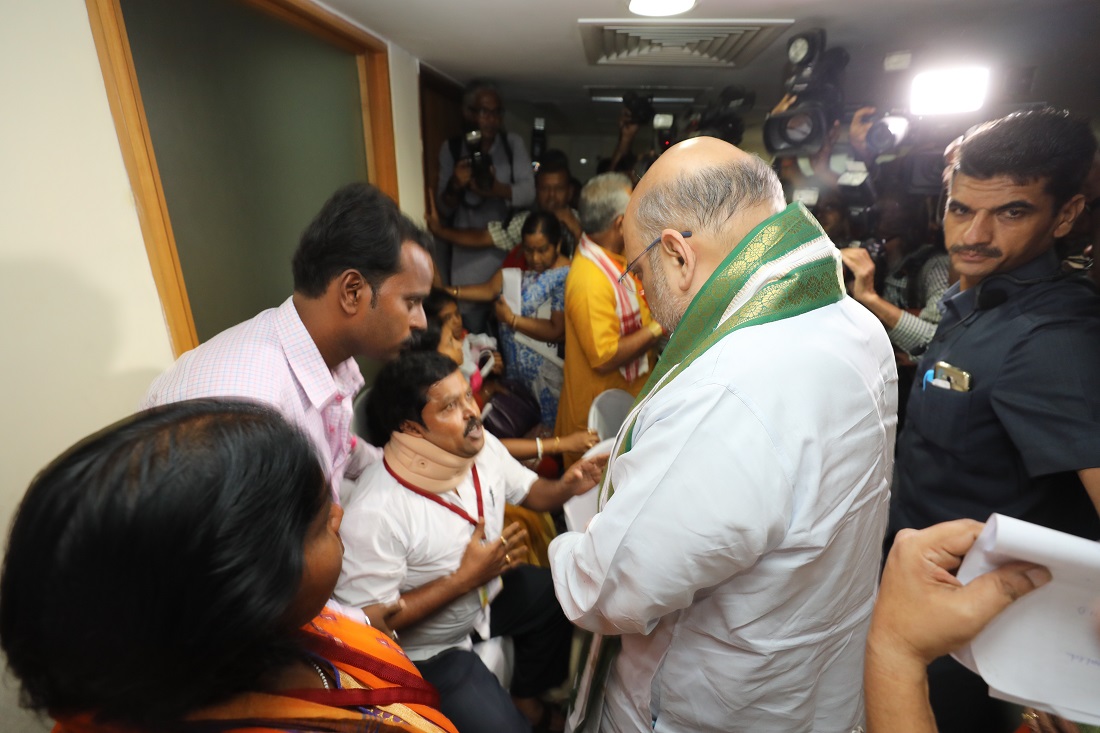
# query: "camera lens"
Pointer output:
{"type": "Point", "coordinates": [798, 128]}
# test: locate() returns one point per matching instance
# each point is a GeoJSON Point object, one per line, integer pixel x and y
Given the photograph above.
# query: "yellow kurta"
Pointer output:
{"type": "Point", "coordinates": [591, 338]}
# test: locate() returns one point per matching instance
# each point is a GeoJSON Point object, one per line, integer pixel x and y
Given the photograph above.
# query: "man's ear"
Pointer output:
{"type": "Point", "coordinates": [617, 224]}
{"type": "Point", "coordinates": [353, 291]}
{"type": "Point", "coordinates": [1069, 213]}
{"type": "Point", "coordinates": [674, 245]}
{"type": "Point", "coordinates": [411, 427]}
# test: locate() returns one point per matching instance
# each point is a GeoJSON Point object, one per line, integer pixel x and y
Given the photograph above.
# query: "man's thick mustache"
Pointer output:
{"type": "Point", "coordinates": [984, 250]}
{"type": "Point", "coordinates": [473, 423]}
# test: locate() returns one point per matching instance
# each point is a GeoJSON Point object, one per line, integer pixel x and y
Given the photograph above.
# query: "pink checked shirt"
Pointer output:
{"type": "Point", "coordinates": [272, 359]}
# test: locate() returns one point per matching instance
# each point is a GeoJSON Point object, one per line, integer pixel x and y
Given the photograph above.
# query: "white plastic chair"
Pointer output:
{"type": "Point", "coordinates": [608, 411]}
{"type": "Point", "coordinates": [499, 656]}
{"type": "Point", "coordinates": [580, 509]}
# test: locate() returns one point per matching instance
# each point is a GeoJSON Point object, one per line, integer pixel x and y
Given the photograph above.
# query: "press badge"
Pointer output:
{"type": "Point", "coordinates": [489, 591]}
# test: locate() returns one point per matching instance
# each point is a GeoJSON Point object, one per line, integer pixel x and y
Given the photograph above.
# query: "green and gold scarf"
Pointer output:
{"type": "Point", "coordinates": [785, 267]}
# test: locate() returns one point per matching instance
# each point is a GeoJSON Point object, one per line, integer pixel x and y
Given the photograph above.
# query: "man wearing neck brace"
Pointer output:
{"type": "Point", "coordinates": [425, 527]}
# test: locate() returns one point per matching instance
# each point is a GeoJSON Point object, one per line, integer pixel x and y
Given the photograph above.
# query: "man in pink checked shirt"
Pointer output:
{"type": "Point", "coordinates": [361, 273]}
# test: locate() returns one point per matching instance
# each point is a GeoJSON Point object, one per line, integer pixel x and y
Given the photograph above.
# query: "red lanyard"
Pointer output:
{"type": "Point", "coordinates": [445, 504]}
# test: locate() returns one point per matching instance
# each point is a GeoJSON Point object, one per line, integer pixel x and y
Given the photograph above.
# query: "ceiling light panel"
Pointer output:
{"type": "Point", "coordinates": [711, 43]}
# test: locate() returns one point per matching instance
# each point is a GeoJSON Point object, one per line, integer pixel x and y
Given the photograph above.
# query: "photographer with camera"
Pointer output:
{"type": "Point", "coordinates": [897, 272]}
{"type": "Point", "coordinates": [483, 175]}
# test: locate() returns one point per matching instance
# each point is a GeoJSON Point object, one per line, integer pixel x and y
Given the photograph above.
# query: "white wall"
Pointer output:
{"type": "Point", "coordinates": [82, 326]}
{"type": "Point", "coordinates": [405, 97]}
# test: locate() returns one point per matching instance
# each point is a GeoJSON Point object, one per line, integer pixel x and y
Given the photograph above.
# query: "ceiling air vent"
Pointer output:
{"type": "Point", "coordinates": [662, 42]}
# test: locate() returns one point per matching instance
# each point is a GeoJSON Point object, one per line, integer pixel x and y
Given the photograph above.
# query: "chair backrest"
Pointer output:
{"type": "Point", "coordinates": [608, 411]}
{"type": "Point", "coordinates": [579, 510]}
{"type": "Point", "coordinates": [359, 413]}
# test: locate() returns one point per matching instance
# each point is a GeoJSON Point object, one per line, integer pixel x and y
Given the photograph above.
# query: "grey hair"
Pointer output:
{"type": "Point", "coordinates": [476, 89]}
{"type": "Point", "coordinates": [705, 201]}
{"type": "Point", "coordinates": [602, 200]}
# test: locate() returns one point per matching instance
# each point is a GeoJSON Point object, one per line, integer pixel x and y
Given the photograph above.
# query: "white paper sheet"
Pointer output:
{"type": "Point", "coordinates": [1043, 651]}
{"type": "Point", "coordinates": [511, 281]}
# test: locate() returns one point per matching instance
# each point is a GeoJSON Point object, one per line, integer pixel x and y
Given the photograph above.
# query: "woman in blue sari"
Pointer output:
{"type": "Point", "coordinates": [530, 307]}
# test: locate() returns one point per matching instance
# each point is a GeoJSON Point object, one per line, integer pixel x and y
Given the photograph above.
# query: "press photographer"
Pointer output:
{"type": "Point", "coordinates": [484, 174]}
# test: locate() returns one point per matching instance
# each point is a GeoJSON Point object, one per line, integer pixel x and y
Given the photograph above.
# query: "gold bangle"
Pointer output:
{"type": "Point", "coordinates": [514, 317]}
{"type": "Point", "coordinates": [655, 329]}
{"type": "Point", "coordinates": [557, 444]}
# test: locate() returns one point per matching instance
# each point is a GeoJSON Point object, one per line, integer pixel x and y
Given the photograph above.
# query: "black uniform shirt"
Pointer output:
{"type": "Point", "coordinates": [1030, 340]}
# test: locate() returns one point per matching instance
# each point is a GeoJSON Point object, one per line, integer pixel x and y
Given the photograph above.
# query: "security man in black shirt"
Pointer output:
{"type": "Point", "coordinates": [1004, 416]}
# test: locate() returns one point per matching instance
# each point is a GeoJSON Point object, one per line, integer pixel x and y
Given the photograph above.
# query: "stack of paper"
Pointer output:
{"type": "Point", "coordinates": [1043, 651]}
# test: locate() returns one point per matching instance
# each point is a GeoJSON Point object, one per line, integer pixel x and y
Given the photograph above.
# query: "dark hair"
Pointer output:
{"type": "Point", "coordinates": [546, 223]}
{"type": "Point", "coordinates": [428, 339]}
{"type": "Point", "coordinates": [400, 391]}
{"type": "Point", "coordinates": [553, 164]}
{"type": "Point", "coordinates": [358, 228]}
{"type": "Point", "coordinates": [151, 567]}
{"type": "Point", "coordinates": [1047, 144]}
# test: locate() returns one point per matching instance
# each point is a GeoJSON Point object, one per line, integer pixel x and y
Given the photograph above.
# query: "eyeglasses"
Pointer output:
{"type": "Point", "coordinates": [628, 282]}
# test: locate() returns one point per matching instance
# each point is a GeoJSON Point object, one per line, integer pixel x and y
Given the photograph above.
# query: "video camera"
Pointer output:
{"type": "Point", "coordinates": [814, 96]}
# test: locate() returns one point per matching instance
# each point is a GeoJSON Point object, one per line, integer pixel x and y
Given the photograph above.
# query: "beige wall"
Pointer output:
{"type": "Point", "coordinates": [405, 95]}
{"type": "Point", "coordinates": [81, 322]}
{"type": "Point", "coordinates": [82, 325]}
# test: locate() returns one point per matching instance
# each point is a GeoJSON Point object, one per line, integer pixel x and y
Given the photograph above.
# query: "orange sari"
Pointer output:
{"type": "Point", "coordinates": [381, 691]}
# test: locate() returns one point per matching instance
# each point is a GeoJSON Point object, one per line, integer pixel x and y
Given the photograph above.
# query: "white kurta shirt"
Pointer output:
{"type": "Point", "coordinates": [396, 541]}
{"type": "Point", "coordinates": [739, 555]}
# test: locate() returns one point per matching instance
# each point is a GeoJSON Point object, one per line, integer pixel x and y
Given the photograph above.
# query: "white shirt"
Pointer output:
{"type": "Point", "coordinates": [271, 358]}
{"type": "Point", "coordinates": [396, 541]}
{"type": "Point", "coordinates": [739, 555]}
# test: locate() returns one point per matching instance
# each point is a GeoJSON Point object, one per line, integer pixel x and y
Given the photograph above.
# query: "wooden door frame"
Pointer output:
{"type": "Point", "coordinates": [132, 127]}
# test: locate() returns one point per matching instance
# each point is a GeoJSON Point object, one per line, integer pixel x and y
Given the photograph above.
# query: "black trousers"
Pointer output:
{"type": "Point", "coordinates": [527, 611]}
{"type": "Point", "coordinates": [961, 702]}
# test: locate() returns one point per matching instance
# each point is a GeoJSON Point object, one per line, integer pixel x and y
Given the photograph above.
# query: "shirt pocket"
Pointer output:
{"type": "Point", "coordinates": [943, 418]}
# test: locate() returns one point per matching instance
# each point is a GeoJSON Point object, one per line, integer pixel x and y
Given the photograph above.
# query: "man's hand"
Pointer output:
{"type": "Point", "coordinates": [628, 128]}
{"type": "Point", "coordinates": [569, 220]}
{"type": "Point", "coordinates": [463, 175]}
{"type": "Point", "coordinates": [431, 217]}
{"type": "Point", "coordinates": [859, 261]}
{"type": "Point", "coordinates": [583, 475]}
{"type": "Point", "coordinates": [1040, 722]}
{"type": "Point", "coordinates": [503, 311]}
{"type": "Point", "coordinates": [923, 611]}
{"type": "Point", "coordinates": [487, 559]}
{"type": "Point", "coordinates": [577, 442]}
{"type": "Point", "coordinates": [380, 613]}
{"type": "Point", "coordinates": [857, 132]}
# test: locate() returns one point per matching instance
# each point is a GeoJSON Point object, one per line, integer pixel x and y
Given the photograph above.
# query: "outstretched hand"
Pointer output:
{"type": "Point", "coordinates": [584, 474]}
{"type": "Point", "coordinates": [923, 611]}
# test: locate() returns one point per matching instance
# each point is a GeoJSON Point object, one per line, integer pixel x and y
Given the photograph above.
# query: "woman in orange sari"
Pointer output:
{"type": "Point", "coordinates": [171, 573]}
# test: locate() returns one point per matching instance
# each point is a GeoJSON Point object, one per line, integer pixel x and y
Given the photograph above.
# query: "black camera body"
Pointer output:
{"type": "Point", "coordinates": [481, 163]}
{"type": "Point", "coordinates": [814, 79]}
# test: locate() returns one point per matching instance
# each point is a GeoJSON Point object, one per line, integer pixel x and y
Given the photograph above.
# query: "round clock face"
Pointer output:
{"type": "Point", "coordinates": [798, 50]}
